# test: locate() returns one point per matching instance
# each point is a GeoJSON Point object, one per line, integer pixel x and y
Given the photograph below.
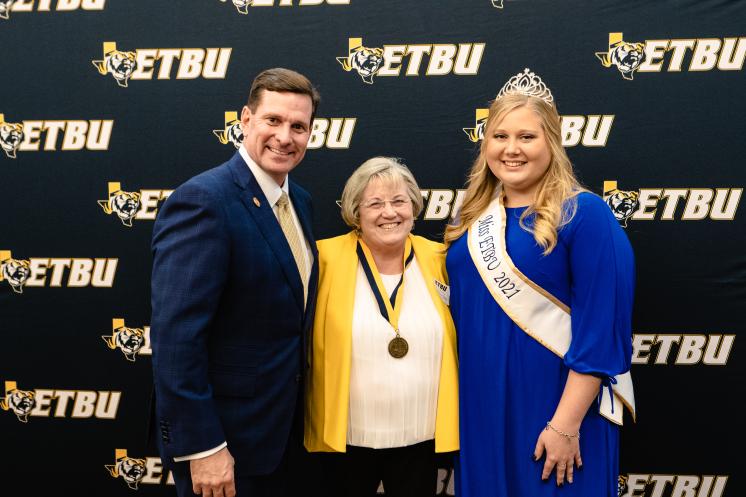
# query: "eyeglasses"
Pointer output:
{"type": "Point", "coordinates": [378, 205]}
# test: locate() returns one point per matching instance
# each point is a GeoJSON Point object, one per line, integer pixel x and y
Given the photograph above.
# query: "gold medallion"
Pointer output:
{"type": "Point", "coordinates": [398, 347]}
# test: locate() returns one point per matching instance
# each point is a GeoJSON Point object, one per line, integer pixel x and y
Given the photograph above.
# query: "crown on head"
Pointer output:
{"type": "Point", "coordinates": [527, 83]}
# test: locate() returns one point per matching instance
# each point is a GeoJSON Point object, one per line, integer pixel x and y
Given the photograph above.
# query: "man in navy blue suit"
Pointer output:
{"type": "Point", "coordinates": [233, 287]}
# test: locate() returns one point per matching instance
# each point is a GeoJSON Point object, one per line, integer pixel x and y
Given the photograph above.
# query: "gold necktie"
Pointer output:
{"type": "Point", "coordinates": [285, 216]}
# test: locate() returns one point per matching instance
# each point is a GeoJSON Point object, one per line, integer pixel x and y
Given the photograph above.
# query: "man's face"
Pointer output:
{"type": "Point", "coordinates": [276, 133]}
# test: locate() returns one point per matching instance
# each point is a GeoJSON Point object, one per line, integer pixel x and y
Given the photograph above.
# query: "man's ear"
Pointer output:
{"type": "Point", "coordinates": [245, 117]}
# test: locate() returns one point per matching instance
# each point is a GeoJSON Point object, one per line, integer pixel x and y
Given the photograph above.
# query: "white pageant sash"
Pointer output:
{"type": "Point", "coordinates": [533, 309]}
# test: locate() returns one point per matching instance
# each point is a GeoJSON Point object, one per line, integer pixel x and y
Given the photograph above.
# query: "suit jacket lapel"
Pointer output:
{"type": "Point", "coordinates": [267, 222]}
{"type": "Point", "coordinates": [306, 224]}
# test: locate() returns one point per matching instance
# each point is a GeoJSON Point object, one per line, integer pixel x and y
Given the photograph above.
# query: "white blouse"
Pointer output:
{"type": "Point", "coordinates": [393, 401]}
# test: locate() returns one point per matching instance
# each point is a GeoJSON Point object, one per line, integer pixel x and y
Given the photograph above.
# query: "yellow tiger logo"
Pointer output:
{"type": "Point", "coordinates": [11, 136]}
{"type": "Point", "coordinates": [623, 204]}
{"type": "Point", "coordinates": [130, 469]}
{"type": "Point", "coordinates": [128, 340]}
{"type": "Point", "coordinates": [119, 64]}
{"type": "Point", "coordinates": [124, 204]}
{"type": "Point", "coordinates": [476, 133]}
{"type": "Point", "coordinates": [21, 402]}
{"type": "Point", "coordinates": [242, 6]}
{"type": "Point", "coordinates": [366, 61]}
{"type": "Point", "coordinates": [627, 57]}
{"type": "Point", "coordinates": [232, 132]}
{"type": "Point", "coordinates": [621, 485]}
{"type": "Point", "coordinates": [15, 272]}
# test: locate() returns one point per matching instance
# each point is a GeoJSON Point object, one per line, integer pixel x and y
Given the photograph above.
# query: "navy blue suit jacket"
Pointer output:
{"type": "Point", "coordinates": [229, 328]}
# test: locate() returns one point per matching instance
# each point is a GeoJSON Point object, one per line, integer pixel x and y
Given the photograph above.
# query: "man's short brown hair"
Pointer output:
{"type": "Point", "coordinates": [282, 80]}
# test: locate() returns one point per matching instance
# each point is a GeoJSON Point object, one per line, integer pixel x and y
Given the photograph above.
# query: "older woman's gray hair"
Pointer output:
{"type": "Point", "coordinates": [386, 169]}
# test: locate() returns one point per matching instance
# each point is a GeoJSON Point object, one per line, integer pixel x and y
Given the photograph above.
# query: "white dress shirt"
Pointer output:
{"type": "Point", "coordinates": [393, 401]}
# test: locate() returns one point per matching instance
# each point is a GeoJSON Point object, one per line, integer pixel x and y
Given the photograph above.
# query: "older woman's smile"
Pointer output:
{"type": "Point", "coordinates": [386, 216]}
{"type": "Point", "coordinates": [389, 226]}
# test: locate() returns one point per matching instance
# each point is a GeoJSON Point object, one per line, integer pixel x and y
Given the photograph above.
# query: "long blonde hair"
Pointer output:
{"type": "Point", "coordinates": [554, 202]}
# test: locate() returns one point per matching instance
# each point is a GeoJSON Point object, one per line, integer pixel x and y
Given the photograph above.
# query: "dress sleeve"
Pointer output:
{"type": "Point", "coordinates": [602, 284]}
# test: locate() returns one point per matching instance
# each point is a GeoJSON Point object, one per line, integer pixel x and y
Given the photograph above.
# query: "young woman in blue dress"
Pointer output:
{"type": "Point", "coordinates": [542, 283]}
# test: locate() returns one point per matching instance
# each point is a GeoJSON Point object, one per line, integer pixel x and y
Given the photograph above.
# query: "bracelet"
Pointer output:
{"type": "Point", "coordinates": [566, 435]}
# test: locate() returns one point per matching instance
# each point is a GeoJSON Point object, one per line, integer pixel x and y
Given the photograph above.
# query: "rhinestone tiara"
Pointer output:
{"type": "Point", "coordinates": [527, 83]}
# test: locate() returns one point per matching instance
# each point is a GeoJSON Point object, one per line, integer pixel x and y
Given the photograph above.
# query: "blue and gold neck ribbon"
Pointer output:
{"type": "Point", "coordinates": [390, 308]}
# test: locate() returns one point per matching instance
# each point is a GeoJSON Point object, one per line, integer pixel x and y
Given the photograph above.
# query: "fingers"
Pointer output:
{"type": "Point", "coordinates": [549, 464]}
{"type": "Point", "coordinates": [216, 490]}
{"type": "Point", "coordinates": [578, 461]}
{"type": "Point", "coordinates": [570, 472]}
{"type": "Point", "coordinates": [565, 470]}
{"type": "Point", "coordinates": [204, 490]}
{"type": "Point", "coordinates": [538, 450]}
{"type": "Point", "coordinates": [212, 476]}
{"type": "Point", "coordinates": [561, 468]}
{"type": "Point", "coordinates": [230, 489]}
{"type": "Point", "coordinates": [225, 488]}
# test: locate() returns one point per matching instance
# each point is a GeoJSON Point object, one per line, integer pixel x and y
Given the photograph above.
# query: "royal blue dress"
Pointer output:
{"type": "Point", "coordinates": [510, 384]}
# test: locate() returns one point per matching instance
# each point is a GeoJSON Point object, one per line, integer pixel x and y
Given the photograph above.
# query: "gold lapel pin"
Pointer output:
{"type": "Point", "coordinates": [256, 202]}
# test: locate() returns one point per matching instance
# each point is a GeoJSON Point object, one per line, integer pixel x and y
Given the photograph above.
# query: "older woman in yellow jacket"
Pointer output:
{"type": "Point", "coordinates": [383, 390]}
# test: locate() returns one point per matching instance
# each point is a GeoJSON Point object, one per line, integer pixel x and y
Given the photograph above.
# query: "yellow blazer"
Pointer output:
{"type": "Point", "coordinates": [328, 386]}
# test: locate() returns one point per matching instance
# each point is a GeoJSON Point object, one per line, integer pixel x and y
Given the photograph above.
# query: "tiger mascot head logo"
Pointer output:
{"type": "Point", "coordinates": [124, 204]}
{"type": "Point", "coordinates": [232, 132]}
{"type": "Point", "coordinates": [476, 133]}
{"type": "Point", "coordinates": [5, 8]}
{"type": "Point", "coordinates": [366, 61]}
{"type": "Point", "coordinates": [119, 64]}
{"type": "Point", "coordinates": [627, 57]}
{"type": "Point", "coordinates": [621, 485]}
{"type": "Point", "coordinates": [21, 402]}
{"type": "Point", "coordinates": [623, 204]}
{"type": "Point", "coordinates": [130, 469]}
{"type": "Point", "coordinates": [242, 6]}
{"type": "Point", "coordinates": [11, 136]}
{"type": "Point", "coordinates": [128, 340]}
{"type": "Point", "coordinates": [15, 272]}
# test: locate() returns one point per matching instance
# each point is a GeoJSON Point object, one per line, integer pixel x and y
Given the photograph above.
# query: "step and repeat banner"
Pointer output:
{"type": "Point", "coordinates": [106, 106]}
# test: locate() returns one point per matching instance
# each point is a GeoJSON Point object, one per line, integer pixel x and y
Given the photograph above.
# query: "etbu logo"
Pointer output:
{"type": "Point", "coordinates": [67, 135]}
{"type": "Point", "coordinates": [673, 55]}
{"type": "Point", "coordinates": [130, 341]}
{"type": "Point", "coordinates": [648, 204]}
{"type": "Point", "coordinates": [138, 471]}
{"type": "Point", "coordinates": [8, 6]}
{"type": "Point", "coordinates": [63, 272]}
{"type": "Point", "coordinates": [137, 205]}
{"type": "Point", "coordinates": [681, 350]}
{"type": "Point", "coordinates": [442, 59]}
{"type": "Point", "coordinates": [668, 485]}
{"type": "Point", "coordinates": [242, 6]}
{"type": "Point", "coordinates": [83, 404]}
{"type": "Point", "coordinates": [140, 64]}
{"type": "Point", "coordinates": [332, 133]}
